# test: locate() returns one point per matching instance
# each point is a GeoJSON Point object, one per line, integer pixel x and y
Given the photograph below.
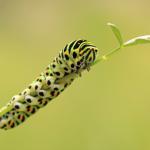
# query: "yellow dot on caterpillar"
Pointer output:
{"type": "Point", "coordinates": [104, 57]}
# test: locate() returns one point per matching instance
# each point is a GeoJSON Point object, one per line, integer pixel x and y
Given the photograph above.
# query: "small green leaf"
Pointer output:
{"type": "Point", "coordinates": [116, 32]}
{"type": "Point", "coordinates": [138, 40]}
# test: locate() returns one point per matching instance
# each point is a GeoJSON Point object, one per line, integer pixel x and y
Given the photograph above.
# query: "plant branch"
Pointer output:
{"type": "Point", "coordinates": [135, 41]}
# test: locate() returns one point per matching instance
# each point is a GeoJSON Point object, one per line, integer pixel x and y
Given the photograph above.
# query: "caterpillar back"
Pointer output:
{"type": "Point", "coordinates": [76, 57]}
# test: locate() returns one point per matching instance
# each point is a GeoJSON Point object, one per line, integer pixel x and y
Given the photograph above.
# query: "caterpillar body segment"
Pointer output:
{"type": "Point", "coordinates": [76, 57]}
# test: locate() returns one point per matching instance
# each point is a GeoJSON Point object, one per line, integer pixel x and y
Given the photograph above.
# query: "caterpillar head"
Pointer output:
{"type": "Point", "coordinates": [84, 53]}
{"type": "Point", "coordinates": [88, 52]}
{"type": "Point", "coordinates": [79, 54]}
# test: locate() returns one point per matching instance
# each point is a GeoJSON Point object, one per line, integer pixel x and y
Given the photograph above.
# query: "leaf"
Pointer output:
{"type": "Point", "coordinates": [116, 32]}
{"type": "Point", "coordinates": [138, 40]}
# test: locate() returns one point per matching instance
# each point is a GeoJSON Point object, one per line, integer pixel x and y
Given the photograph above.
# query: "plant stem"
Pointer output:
{"type": "Point", "coordinates": [105, 57]}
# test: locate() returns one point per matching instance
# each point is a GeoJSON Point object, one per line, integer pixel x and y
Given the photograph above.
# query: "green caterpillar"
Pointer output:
{"type": "Point", "coordinates": [76, 57]}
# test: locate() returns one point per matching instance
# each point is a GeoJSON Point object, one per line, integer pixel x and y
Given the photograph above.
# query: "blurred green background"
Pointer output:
{"type": "Point", "coordinates": [106, 109]}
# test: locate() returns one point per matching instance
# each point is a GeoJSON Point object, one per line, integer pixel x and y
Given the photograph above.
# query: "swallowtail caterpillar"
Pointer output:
{"type": "Point", "coordinates": [76, 57]}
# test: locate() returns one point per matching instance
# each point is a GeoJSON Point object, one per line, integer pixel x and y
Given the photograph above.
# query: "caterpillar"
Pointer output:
{"type": "Point", "coordinates": [72, 60]}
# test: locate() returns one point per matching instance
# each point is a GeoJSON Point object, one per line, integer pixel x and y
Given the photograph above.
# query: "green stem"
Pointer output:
{"type": "Point", "coordinates": [105, 57]}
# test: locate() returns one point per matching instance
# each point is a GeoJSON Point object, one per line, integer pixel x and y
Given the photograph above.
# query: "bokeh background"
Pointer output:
{"type": "Point", "coordinates": [106, 109]}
